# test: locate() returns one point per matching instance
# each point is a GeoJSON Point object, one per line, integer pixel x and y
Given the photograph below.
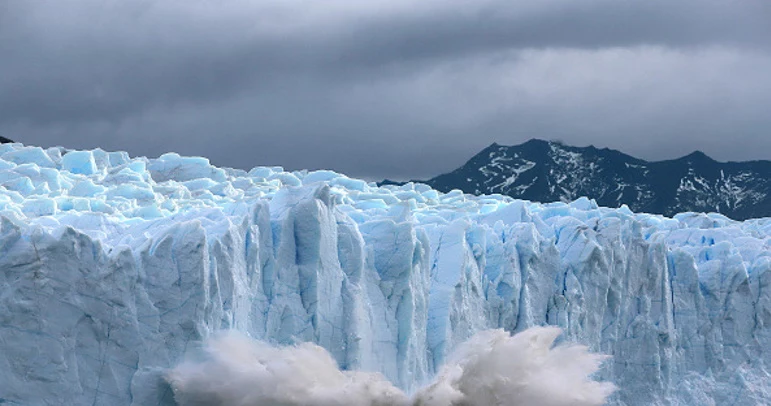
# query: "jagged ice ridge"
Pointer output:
{"type": "Point", "coordinates": [114, 268]}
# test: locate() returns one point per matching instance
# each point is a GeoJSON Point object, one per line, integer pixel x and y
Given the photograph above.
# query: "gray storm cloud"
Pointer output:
{"type": "Point", "coordinates": [385, 89]}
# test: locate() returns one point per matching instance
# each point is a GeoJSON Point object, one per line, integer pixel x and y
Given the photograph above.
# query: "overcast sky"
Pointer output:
{"type": "Point", "coordinates": [386, 88]}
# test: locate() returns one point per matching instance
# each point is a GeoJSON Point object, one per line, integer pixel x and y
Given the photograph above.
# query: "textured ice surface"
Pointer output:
{"type": "Point", "coordinates": [113, 268]}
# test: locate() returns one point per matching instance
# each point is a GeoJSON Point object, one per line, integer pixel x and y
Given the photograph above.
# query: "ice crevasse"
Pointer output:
{"type": "Point", "coordinates": [113, 268]}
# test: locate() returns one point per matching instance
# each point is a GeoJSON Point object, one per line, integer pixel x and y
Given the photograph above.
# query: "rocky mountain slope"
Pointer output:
{"type": "Point", "coordinates": [550, 171]}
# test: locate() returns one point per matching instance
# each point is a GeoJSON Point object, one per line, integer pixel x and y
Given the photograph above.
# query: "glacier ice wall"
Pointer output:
{"type": "Point", "coordinates": [113, 268]}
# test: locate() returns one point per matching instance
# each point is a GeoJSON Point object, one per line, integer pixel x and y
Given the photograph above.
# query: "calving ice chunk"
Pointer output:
{"type": "Point", "coordinates": [113, 269]}
{"type": "Point", "coordinates": [492, 368]}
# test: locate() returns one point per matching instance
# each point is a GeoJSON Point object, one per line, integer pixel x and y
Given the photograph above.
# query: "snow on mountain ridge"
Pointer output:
{"type": "Point", "coordinates": [695, 182]}
{"type": "Point", "coordinates": [114, 267]}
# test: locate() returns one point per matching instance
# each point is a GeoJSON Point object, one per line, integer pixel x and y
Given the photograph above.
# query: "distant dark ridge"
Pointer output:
{"type": "Point", "coordinates": [547, 171]}
{"type": "Point", "coordinates": [4, 140]}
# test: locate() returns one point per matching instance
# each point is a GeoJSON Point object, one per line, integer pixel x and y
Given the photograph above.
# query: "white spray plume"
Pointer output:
{"type": "Point", "coordinates": [239, 371]}
{"type": "Point", "coordinates": [493, 368]}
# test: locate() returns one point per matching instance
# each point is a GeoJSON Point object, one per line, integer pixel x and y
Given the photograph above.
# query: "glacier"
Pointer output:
{"type": "Point", "coordinates": [115, 268]}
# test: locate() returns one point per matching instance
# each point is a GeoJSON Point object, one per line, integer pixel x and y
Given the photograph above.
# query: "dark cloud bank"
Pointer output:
{"type": "Point", "coordinates": [396, 89]}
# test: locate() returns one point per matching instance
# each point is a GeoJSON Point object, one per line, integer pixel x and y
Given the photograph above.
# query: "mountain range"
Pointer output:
{"type": "Point", "coordinates": [546, 171]}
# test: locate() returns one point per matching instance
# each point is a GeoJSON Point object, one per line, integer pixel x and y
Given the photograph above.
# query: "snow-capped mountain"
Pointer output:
{"type": "Point", "coordinates": [114, 270]}
{"type": "Point", "coordinates": [550, 171]}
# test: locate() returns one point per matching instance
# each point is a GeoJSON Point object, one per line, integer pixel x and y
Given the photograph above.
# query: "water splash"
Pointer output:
{"type": "Point", "coordinates": [493, 368]}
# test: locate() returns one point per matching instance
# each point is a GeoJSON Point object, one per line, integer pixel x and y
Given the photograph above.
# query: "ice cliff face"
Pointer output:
{"type": "Point", "coordinates": [113, 268]}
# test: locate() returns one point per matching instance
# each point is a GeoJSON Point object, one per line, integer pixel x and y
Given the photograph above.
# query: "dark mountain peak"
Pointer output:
{"type": "Point", "coordinates": [492, 147]}
{"type": "Point", "coordinates": [539, 143]}
{"type": "Point", "coordinates": [4, 140]}
{"type": "Point", "coordinates": [551, 145]}
{"type": "Point", "coordinates": [533, 146]}
{"type": "Point", "coordinates": [386, 182]}
{"type": "Point", "coordinates": [698, 156]}
{"type": "Point", "coordinates": [548, 171]}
